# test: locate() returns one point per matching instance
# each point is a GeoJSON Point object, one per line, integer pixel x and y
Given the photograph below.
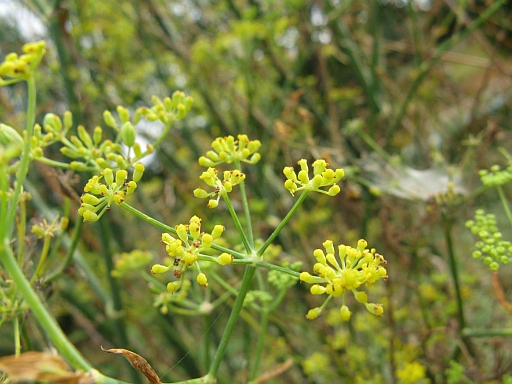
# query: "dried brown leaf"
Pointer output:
{"type": "Point", "coordinates": [41, 366]}
{"type": "Point", "coordinates": [137, 362]}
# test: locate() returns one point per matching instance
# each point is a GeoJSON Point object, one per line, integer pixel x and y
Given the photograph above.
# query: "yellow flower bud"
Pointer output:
{"type": "Point", "coordinates": [225, 259]}
{"type": "Point", "coordinates": [173, 286]}
{"type": "Point", "coordinates": [201, 193]}
{"type": "Point", "coordinates": [313, 313]}
{"type": "Point", "coordinates": [202, 280]}
{"type": "Point", "coordinates": [345, 313]}
{"type": "Point", "coordinates": [217, 231]}
{"type": "Point", "coordinates": [128, 134]}
{"type": "Point", "coordinates": [138, 171]}
{"type": "Point", "coordinates": [159, 268]}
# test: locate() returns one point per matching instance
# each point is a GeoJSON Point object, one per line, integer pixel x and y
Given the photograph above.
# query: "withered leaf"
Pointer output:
{"type": "Point", "coordinates": [41, 366]}
{"type": "Point", "coordinates": [137, 362]}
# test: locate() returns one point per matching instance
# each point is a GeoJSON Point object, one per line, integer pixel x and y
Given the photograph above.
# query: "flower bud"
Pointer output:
{"type": "Point", "coordinates": [108, 174]}
{"type": "Point", "coordinates": [224, 259]}
{"type": "Point", "coordinates": [345, 313]}
{"type": "Point", "coordinates": [68, 120]}
{"type": "Point", "coordinates": [217, 231]}
{"type": "Point", "coordinates": [201, 193]}
{"type": "Point", "coordinates": [128, 134]}
{"type": "Point", "coordinates": [202, 280]}
{"type": "Point", "coordinates": [53, 121]}
{"type": "Point", "coordinates": [362, 297]}
{"type": "Point", "coordinates": [109, 120]}
{"type": "Point", "coordinates": [158, 268]}
{"type": "Point", "coordinates": [123, 113]}
{"type": "Point", "coordinates": [313, 313]}
{"type": "Point", "coordinates": [84, 136]}
{"type": "Point", "coordinates": [181, 231]}
{"type": "Point", "coordinates": [173, 286]}
{"type": "Point", "coordinates": [97, 135]}
{"type": "Point", "coordinates": [138, 171]}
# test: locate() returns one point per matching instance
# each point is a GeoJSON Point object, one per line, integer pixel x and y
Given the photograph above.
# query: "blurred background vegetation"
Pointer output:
{"type": "Point", "coordinates": [412, 98]}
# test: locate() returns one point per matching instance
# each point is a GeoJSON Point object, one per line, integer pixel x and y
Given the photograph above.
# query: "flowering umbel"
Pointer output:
{"type": "Point", "coordinates": [227, 150]}
{"type": "Point", "coordinates": [322, 177]}
{"type": "Point", "coordinates": [356, 266]}
{"type": "Point", "coordinates": [220, 187]}
{"type": "Point", "coordinates": [102, 191]}
{"type": "Point", "coordinates": [185, 251]}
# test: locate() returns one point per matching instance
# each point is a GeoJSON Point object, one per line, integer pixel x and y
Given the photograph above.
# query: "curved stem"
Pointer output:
{"type": "Point", "coordinates": [47, 322]}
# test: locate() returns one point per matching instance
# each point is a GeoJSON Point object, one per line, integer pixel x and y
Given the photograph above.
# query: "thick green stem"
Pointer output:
{"type": "Point", "coordinates": [47, 322]}
{"type": "Point", "coordinates": [233, 317]}
{"type": "Point", "coordinates": [25, 159]}
{"type": "Point", "coordinates": [283, 223]}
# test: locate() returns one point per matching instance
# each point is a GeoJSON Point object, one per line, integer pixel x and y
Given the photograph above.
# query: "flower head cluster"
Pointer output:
{"type": "Point", "coordinates": [169, 109]}
{"type": "Point", "coordinates": [491, 248]}
{"type": "Point", "coordinates": [22, 67]}
{"type": "Point", "coordinates": [496, 176]}
{"type": "Point", "coordinates": [99, 196]}
{"type": "Point", "coordinates": [227, 150]}
{"type": "Point", "coordinates": [90, 151]}
{"type": "Point", "coordinates": [322, 177]}
{"type": "Point", "coordinates": [220, 187]}
{"type": "Point", "coordinates": [186, 250]}
{"type": "Point", "coordinates": [356, 266]}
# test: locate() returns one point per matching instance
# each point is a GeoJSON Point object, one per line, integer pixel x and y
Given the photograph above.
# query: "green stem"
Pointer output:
{"type": "Point", "coordinates": [471, 332]}
{"type": "Point", "coordinates": [47, 322]}
{"type": "Point", "coordinates": [425, 66]}
{"type": "Point", "coordinates": [71, 250]}
{"type": "Point", "coordinates": [233, 317]}
{"type": "Point", "coordinates": [25, 159]}
{"type": "Point", "coordinates": [453, 269]}
{"type": "Point", "coordinates": [504, 202]}
{"type": "Point", "coordinates": [42, 259]}
{"type": "Point", "coordinates": [263, 331]}
{"type": "Point", "coordinates": [238, 224]}
{"type": "Point", "coordinates": [247, 211]}
{"type": "Point", "coordinates": [116, 311]}
{"type": "Point", "coordinates": [16, 331]}
{"type": "Point", "coordinates": [22, 227]}
{"type": "Point", "coordinates": [283, 223]}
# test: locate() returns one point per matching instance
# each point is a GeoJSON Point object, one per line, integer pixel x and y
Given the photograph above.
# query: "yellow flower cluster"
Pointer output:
{"type": "Point", "coordinates": [22, 67]}
{"type": "Point", "coordinates": [185, 251]}
{"type": "Point", "coordinates": [113, 191]}
{"type": "Point", "coordinates": [356, 266]}
{"type": "Point", "coordinates": [227, 149]}
{"type": "Point", "coordinates": [220, 187]}
{"type": "Point", "coordinates": [322, 177]}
